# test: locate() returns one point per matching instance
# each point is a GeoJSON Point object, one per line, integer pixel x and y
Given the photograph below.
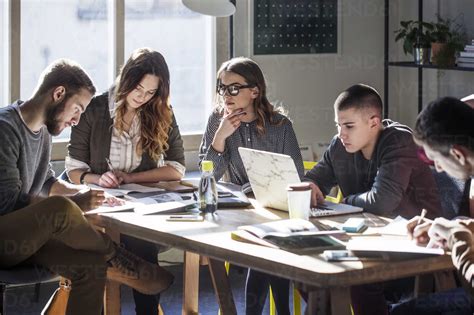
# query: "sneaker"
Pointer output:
{"type": "Point", "coordinates": [129, 269]}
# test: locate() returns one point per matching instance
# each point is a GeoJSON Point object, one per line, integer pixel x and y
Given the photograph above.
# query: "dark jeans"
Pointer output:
{"type": "Point", "coordinates": [373, 299]}
{"type": "Point", "coordinates": [369, 299]}
{"type": "Point", "coordinates": [144, 304]}
{"type": "Point", "coordinates": [453, 302]}
{"type": "Point", "coordinates": [256, 293]}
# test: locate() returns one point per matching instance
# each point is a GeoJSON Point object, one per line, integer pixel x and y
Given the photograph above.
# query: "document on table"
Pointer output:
{"type": "Point", "coordinates": [125, 189]}
{"type": "Point", "coordinates": [294, 235]}
{"type": "Point", "coordinates": [397, 227]}
{"type": "Point", "coordinates": [393, 247]}
{"type": "Point", "coordinates": [159, 204]}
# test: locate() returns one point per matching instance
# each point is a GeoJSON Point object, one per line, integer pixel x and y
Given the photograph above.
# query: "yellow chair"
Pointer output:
{"type": "Point", "coordinates": [308, 165]}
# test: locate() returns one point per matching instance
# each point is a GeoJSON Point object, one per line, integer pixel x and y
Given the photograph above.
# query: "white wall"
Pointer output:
{"type": "Point", "coordinates": [307, 85]}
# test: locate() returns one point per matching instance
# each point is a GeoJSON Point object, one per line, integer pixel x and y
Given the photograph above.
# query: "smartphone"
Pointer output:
{"type": "Point", "coordinates": [339, 255]}
{"type": "Point", "coordinates": [186, 218]}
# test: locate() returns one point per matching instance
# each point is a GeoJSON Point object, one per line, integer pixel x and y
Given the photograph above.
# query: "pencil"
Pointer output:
{"type": "Point", "coordinates": [422, 216]}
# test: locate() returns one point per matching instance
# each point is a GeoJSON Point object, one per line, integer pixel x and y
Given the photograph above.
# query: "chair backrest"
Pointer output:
{"type": "Point", "coordinates": [25, 275]}
{"type": "Point", "coordinates": [22, 276]}
{"type": "Point", "coordinates": [308, 165]}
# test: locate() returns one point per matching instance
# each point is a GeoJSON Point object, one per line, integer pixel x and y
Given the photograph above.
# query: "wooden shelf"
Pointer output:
{"type": "Point", "coordinates": [410, 64]}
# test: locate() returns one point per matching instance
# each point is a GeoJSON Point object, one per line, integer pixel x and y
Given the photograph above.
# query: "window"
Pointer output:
{"type": "Point", "coordinates": [3, 61]}
{"type": "Point", "coordinates": [186, 40]}
{"type": "Point", "coordinates": [61, 31]}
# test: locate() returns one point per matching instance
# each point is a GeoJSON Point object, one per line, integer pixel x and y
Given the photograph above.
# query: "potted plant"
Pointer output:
{"type": "Point", "coordinates": [449, 38]}
{"type": "Point", "coordinates": [417, 39]}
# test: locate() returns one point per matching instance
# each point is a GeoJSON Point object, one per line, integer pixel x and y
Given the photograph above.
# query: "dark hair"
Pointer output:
{"type": "Point", "coordinates": [253, 75]}
{"type": "Point", "coordinates": [359, 96]}
{"type": "Point", "coordinates": [445, 122]}
{"type": "Point", "coordinates": [67, 73]}
{"type": "Point", "coordinates": [156, 115]}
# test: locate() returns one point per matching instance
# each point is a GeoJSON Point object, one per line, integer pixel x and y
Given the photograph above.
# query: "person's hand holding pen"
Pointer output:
{"type": "Point", "coordinates": [110, 179]}
{"type": "Point", "coordinates": [418, 228]}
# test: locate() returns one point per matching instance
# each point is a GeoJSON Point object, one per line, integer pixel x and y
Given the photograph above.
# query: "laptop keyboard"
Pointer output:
{"type": "Point", "coordinates": [321, 212]}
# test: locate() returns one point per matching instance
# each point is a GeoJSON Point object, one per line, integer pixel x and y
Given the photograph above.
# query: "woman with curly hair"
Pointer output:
{"type": "Point", "coordinates": [243, 117]}
{"type": "Point", "coordinates": [132, 128]}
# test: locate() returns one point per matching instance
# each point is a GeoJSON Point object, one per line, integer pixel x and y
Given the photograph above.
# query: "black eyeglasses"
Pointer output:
{"type": "Point", "coordinates": [232, 89]}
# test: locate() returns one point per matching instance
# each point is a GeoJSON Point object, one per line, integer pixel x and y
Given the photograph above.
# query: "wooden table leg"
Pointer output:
{"type": "Point", "coordinates": [423, 284]}
{"type": "Point", "coordinates": [340, 301]}
{"type": "Point", "coordinates": [444, 280]}
{"type": "Point", "coordinates": [317, 302]}
{"type": "Point", "coordinates": [222, 288]}
{"type": "Point", "coordinates": [112, 289]}
{"type": "Point", "coordinates": [190, 283]}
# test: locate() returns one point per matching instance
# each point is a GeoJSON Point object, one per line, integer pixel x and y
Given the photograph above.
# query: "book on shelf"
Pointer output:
{"type": "Point", "coordinates": [293, 235]}
{"type": "Point", "coordinates": [465, 59]}
{"type": "Point", "coordinates": [466, 64]}
{"type": "Point", "coordinates": [469, 47]}
{"type": "Point", "coordinates": [466, 54]}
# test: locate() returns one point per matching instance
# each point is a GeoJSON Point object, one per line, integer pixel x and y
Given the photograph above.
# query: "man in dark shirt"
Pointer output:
{"type": "Point", "coordinates": [373, 161]}
{"type": "Point", "coordinates": [375, 164]}
{"type": "Point", "coordinates": [445, 131]}
{"type": "Point", "coordinates": [40, 227]}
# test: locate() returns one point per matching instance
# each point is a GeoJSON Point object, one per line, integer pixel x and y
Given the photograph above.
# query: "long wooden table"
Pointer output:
{"type": "Point", "coordinates": [212, 238]}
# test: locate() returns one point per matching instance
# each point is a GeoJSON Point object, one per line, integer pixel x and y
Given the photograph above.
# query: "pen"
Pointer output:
{"type": "Point", "coordinates": [111, 168]}
{"type": "Point", "coordinates": [422, 216]}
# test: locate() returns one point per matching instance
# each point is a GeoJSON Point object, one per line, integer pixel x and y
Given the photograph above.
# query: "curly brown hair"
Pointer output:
{"type": "Point", "coordinates": [156, 115]}
{"type": "Point", "coordinates": [253, 75]}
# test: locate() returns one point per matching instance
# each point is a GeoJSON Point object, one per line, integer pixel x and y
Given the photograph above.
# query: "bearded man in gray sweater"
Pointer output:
{"type": "Point", "coordinates": [38, 224]}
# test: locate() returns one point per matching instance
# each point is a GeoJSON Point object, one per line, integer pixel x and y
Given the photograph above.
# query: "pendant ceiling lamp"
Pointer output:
{"type": "Point", "coordinates": [218, 8]}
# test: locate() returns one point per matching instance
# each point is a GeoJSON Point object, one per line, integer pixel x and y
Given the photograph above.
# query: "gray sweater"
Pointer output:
{"type": "Point", "coordinates": [393, 182]}
{"type": "Point", "coordinates": [24, 161]}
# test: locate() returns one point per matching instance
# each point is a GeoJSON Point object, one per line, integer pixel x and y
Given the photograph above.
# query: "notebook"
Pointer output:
{"type": "Point", "coordinates": [270, 174]}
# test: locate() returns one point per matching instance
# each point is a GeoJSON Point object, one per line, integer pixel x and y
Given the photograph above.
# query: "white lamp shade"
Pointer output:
{"type": "Point", "coordinates": [218, 8]}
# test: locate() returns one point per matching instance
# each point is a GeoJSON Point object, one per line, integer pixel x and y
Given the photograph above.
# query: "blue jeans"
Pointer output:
{"type": "Point", "coordinates": [452, 302]}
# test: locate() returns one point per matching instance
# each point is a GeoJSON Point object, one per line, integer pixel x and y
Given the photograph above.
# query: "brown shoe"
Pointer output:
{"type": "Point", "coordinates": [131, 270]}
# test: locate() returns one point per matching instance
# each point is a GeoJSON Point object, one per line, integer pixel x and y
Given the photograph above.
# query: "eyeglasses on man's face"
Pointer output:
{"type": "Point", "coordinates": [232, 89]}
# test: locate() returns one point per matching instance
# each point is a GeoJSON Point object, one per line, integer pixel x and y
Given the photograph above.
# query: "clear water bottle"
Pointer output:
{"type": "Point", "coordinates": [207, 188]}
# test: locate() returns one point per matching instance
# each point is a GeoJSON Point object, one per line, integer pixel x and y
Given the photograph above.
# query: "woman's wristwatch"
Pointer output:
{"type": "Point", "coordinates": [83, 176]}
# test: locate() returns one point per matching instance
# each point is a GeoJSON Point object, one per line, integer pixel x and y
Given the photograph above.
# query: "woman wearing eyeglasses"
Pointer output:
{"type": "Point", "coordinates": [129, 135]}
{"type": "Point", "coordinates": [243, 117]}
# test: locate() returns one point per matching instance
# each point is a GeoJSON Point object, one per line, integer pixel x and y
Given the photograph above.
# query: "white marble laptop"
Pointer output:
{"type": "Point", "coordinates": [269, 174]}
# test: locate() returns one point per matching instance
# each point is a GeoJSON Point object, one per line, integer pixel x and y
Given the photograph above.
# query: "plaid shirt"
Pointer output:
{"type": "Point", "coordinates": [278, 138]}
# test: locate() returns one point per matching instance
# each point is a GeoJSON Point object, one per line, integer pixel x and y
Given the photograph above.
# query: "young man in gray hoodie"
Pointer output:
{"type": "Point", "coordinates": [375, 164]}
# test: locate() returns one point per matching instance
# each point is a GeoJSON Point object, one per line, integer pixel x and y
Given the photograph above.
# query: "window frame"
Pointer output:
{"type": "Point", "coordinates": [116, 26]}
